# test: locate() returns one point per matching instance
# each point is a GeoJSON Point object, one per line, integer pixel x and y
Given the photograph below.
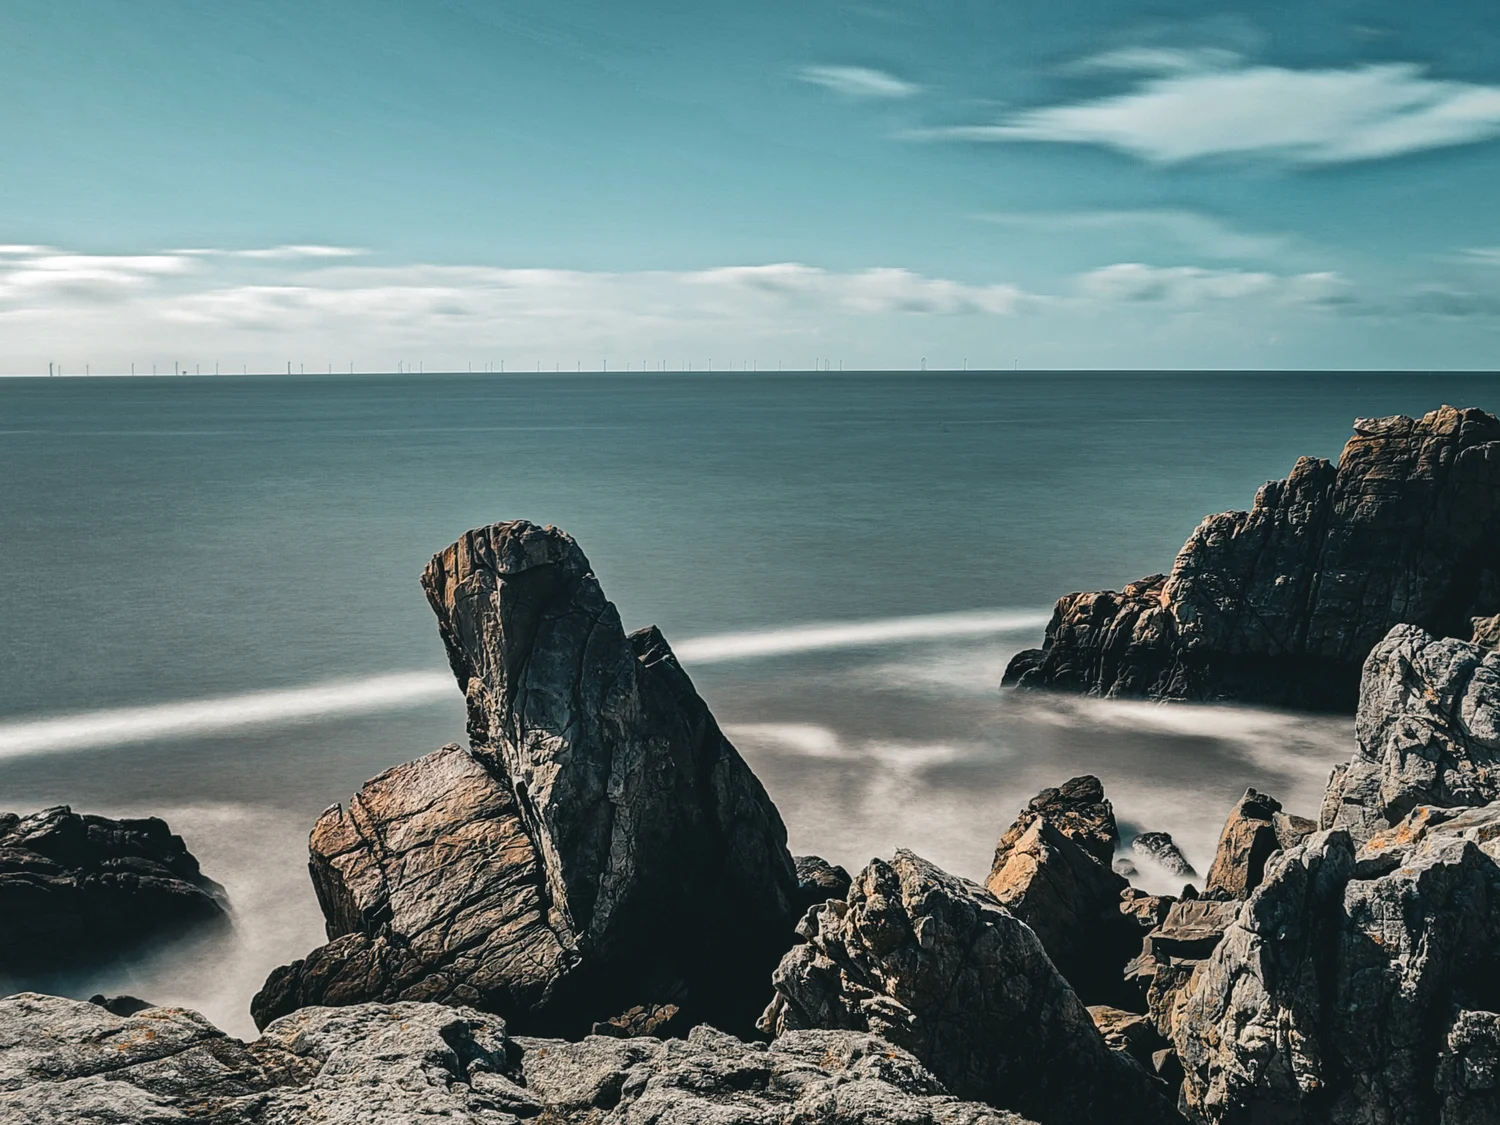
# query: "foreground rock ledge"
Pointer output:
{"type": "Point", "coordinates": [1282, 603]}
{"type": "Point", "coordinates": [599, 847]}
{"type": "Point", "coordinates": [62, 1062]}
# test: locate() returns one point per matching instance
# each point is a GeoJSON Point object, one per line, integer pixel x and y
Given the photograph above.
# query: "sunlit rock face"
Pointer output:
{"type": "Point", "coordinates": [1282, 603]}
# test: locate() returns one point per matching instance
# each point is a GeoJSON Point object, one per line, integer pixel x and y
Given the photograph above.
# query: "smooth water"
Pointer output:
{"type": "Point", "coordinates": [210, 608]}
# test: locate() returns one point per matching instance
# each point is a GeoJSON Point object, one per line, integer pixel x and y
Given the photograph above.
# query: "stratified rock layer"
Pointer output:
{"type": "Point", "coordinates": [937, 966]}
{"type": "Point", "coordinates": [64, 1062]}
{"type": "Point", "coordinates": [79, 889]}
{"type": "Point", "coordinates": [1281, 604]}
{"type": "Point", "coordinates": [600, 847]}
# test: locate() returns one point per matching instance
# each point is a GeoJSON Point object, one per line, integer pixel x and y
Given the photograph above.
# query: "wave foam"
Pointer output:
{"type": "Point", "coordinates": [811, 638]}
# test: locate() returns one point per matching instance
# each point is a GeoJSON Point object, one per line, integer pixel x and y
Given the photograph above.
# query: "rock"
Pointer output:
{"type": "Point", "coordinates": [1052, 870]}
{"type": "Point", "coordinates": [62, 1062]}
{"type": "Point", "coordinates": [1468, 1072]}
{"type": "Point", "coordinates": [120, 1005]}
{"type": "Point", "coordinates": [818, 881]}
{"type": "Point", "coordinates": [935, 965]}
{"type": "Point", "coordinates": [600, 846]}
{"type": "Point", "coordinates": [1077, 809]}
{"type": "Point", "coordinates": [1281, 604]}
{"type": "Point", "coordinates": [1247, 841]}
{"type": "Point", "coordinates": [1160, 848]}
{"type": "Point", "coordinates": [1124, 868]}
{"type": "Point", "coordinates": [77, 889]}
{"type": "Point", "coordinates": [1331, 997]}
{"type": "Point", "coordinates": [1173, 951]}
{"type": "Point", "coordinates": [1485, 631]}
{"type": "Point", "coordinates": [1427, 733]}
{"type": "Point", "coordinates": [656, 1020]}
{"type": "Point", "coordinates": [1129, 1033]}
{"type": "Point", "coordinates": [1145, 911]}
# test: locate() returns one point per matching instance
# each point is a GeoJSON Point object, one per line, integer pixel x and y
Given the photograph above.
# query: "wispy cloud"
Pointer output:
{"type": "Point", "coordinates": [1482, 255]}
{"type": "Point", "coordinates": [1194, 230]}
{"type": "Point", "coordinates": [1156, 60]}
{"type": "Point", "coordinates": [1306, 117]}
{"type": "Point", "coordinates": [1187, 286]}
{"type": "Point", "coordinates": [859, 82]}
{"type": "Point", "coordinates": [290, 253]}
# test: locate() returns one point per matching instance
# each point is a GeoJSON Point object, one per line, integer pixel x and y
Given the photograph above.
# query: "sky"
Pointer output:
{"type": "Point", "coordinates": [461, 184]}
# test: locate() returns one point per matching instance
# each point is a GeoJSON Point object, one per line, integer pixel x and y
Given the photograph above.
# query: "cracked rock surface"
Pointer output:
{"type": "Point", "coordinates": [1282, 603]}
{"type": "Point", "coordinates": [600, 845]}
{"type": "Point", "coordinates": [64, 1062]}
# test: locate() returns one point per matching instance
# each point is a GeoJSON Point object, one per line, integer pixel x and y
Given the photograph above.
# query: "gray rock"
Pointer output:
{"type": "Point", "coordinates": [935, 965]}
{"type": "Point", "coordinates": [818, 881]}
{"type": "Point", "coordinates": [1173, 951]}
{"type": "Point", "coordinates": [1161, 849]}
{"type": "Point", "coordinates": [77, 889]}
{"type": "Point", "coordinates": [1078, 809]}
{"type": "Point", "coordinates": [1427, 733]}
{"type": "Point", "coordinates": [1282, 603]}
{"type": "Point", "coordinates": [1248, 839]}
{"type": "Point", "coordinates": [63, 1062]}
{"type": "Point", "coordinates": [1468, 1072]}
{"type": "Point", "coordinates": [601, 846]}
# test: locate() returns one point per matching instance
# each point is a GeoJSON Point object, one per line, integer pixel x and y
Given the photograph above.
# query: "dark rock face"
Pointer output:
{"type": "Point", "coordinates": [1163, 850]}
{"type": "Point", "coordinates": [600, 847]}
{"type": "Point", "coordinates": [1053, 871]}
{"type": "Point", "coordinates": [1281, 604]}
{"type": "Point", "coordinates": [79, 889]}
{"type": "Point", "coordinates": [62, 1062]}
{"type": "Point", "coordinates": [818, 881]}
{"type": "Point", "coordinates": [938, 967]}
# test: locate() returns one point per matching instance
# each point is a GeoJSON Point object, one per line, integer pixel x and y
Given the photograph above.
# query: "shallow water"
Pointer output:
{"type": "Point", "coordinates": [209, 600]}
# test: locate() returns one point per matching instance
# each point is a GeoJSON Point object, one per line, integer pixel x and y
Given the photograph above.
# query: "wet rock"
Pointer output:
{"type": "Point", "coordinates": [935, 965]}
{"type": "Point", "coordinates": [1427, 733]}
{"type": "Point", "coordinates": [1052, 870]}
{"type": "Point", "coordinates": [1246, 842]}
{"type": "Point", "coordinates": [1161, 849]}
{"type": "Point", "coordinates": [600, 845]}
{"type": "Point", "coordinates": [1281, 604]}
{"type": "Point", "coordinates": [818, 881]}
{"type": "Point", "coordinates": [77, 890]}
{"type": "Point", "coordinates": [1330, 998]}
{"type": "Point", "coordinates": [62, 1062]}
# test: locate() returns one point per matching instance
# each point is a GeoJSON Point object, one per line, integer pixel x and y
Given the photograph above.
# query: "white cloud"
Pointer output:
{"type": "Point", "coordinates": [1188, 286]}
{"type": "Point", "coordinates": [1156, 60]}
{"type": "Point", "coordinates": [1195, 230]}
{"type": "Point", "coordinates": [1483, 255]}
{"type": "Point", "coordinates": [859, 82]}
{"type": "Point", "coordinates": [277, 253]}
{"type": "Point", "coordinates": [1298, 116]}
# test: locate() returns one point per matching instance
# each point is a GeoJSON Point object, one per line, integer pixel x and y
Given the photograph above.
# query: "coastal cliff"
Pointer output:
{"type": "Point", "coordinates": [1280, 605]}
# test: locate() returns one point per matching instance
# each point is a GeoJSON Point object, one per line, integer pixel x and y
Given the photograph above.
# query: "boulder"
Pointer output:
{"type": "Point", "coordinates": [937, 966]}
{"type": "Point", "coordinates": [1078, 809]}
{"type": "Point", "coordinates": [599, 846]}
{"type": "Point", "coordinates": [1172, 952]}
{"type": "Point", "coordinates": [818, 881]}
{"type": "Point", "coordinates": [1246, 842]}
{"type": "Point", "coordinates": [1281, 604]}
{"type": "Point", "coordinates": [77, 890]}
{"type": "Point", "coordinates": [1332, 996]}
{"type": "Point", "coordinates": [1161, 849]}
{"type": "Point", "coordinates": [1129, 1033]}
{"type": "Point", "coordinates": [1427, 732]}
{"type": "Point", "coordinates": [63, 1061]}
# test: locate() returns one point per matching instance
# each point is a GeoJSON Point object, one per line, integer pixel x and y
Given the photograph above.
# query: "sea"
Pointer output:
{"type": "Point", "coordinates": [209, 606]}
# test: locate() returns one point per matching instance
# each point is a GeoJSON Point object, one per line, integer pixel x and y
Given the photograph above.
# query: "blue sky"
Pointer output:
{"type": "Point", "coordinates": [454, 182]}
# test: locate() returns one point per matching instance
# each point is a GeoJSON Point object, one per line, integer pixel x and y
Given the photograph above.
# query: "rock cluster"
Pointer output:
{"type": "Point", "coordinates": [77, 889]}
{"type": "Point", "coordinates": [62, 1061]}
{"type": "Point", "coordinates": [599, 846]}
{"type": "Point", "coordinates": [1282, 603]}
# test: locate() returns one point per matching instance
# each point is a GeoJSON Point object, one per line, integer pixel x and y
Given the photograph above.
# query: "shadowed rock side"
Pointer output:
{"type": "Point", "coordinates": [62, 1062]}
{"type": "Point", "coordinates": [79, 889]}
{"type": "Point", "coordinates": [1281, 604]}
{"type": "Point", "coordinates": [935, 965]}
{"type": "Point", "coordinates": [600, 847]}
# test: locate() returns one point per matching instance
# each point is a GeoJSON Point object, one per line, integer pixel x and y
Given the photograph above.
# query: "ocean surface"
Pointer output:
{"type": "Point", "coordinates": [210, 610]}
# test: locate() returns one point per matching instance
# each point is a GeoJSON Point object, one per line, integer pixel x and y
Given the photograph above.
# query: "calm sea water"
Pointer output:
{"type": "Point", "coordinates": [172, 545]}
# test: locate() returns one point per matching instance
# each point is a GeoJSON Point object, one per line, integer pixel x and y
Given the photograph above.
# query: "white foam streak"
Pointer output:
{"type": "Point", "coordinates": [226, 713]}
{"type": "Point", "coordinates": [812, 638]}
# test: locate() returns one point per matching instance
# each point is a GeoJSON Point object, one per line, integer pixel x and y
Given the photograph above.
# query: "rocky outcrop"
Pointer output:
{"type": "Point", "coordinates": [78, 889]}
{"type": "Point", "coordinates": [1282, 603]}
{"type": "Point", "coordinates": [937, 966]}
{"type": "Point", "coordinates": [1246, 842]}
{"type": "Point", "coordinates": [62, 1061]}
{"type": "Point", "coordinates": [1162, 850]}
{"type": "Point", "coordinates": [1427, 731]}
{"type": "Point", "coordinates": [1172, 952]}
{"type": "Point", "coordinates": [818, 881]}
{"type": "Point", "coordinates": [1053, 870]}
{"type": "Point", "coordinates": [600, 846]}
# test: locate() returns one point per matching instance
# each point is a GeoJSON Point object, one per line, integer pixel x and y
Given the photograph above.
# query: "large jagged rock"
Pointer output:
{"type": "Point", "coordinates": [1173, 950]}
{"type": "Point", "coordinates": [78, 889]}
{"type": "Point", "coordinates": [1331, 997]}
{"type": "Point", "coordinates": [1427, 732]}
{"type": "Point", "coordinates": [935, 964]}
{"type": "Point", "coordinates": [601, 846]}
{"type": "Point", "coordinates": [64, 1062]}
{"type": "Point", "coordinates": [1281, 604]}
{"type": "Point", "coordinates": [1052, 869]}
